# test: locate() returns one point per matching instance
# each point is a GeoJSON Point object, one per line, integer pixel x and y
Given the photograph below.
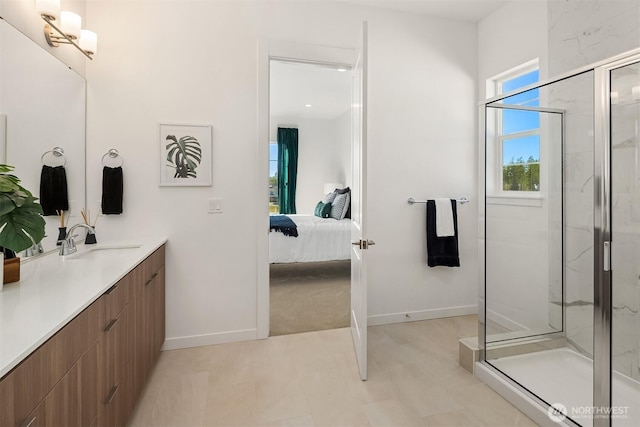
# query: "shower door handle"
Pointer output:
{"type": "Point", "coordinates": [607, 256]}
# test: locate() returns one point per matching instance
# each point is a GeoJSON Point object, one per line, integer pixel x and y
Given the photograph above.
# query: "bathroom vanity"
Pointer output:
{"type": "Point", "coordinates": [79, 336]}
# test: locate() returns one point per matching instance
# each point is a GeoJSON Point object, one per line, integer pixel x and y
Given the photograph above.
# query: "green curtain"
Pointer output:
{"type": "Point", "coordinates": [287, 169]}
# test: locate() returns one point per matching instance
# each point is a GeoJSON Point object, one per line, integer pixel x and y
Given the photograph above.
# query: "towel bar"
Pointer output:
{"type": "Point", "coordinates": [461, 200]}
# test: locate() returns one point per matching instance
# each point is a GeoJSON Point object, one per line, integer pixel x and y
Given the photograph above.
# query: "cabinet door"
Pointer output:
{"type": "Point", "coordinates": [118, 403]}
{"type": "Point", "coordinates": [116, 336]}
{"type": "Point", "coordinates": [140, 350]}
{"type": "Point", "coordinates": [91, 377]}
{"type": "Point", "coordinates": [61, 407]}
{"type": "Point", "coordinates": [158, 313]}
{"type": "Point", "coordinates": [102, 366]}
{"type": "Point", "coordinates": [7, 412]}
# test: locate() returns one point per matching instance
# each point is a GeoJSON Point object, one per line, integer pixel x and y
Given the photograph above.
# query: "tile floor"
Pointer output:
{"type": "Point", "coordinates": [311, 379]}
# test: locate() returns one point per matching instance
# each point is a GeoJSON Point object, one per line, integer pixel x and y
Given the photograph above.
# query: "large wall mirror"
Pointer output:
{"type": "Point", "coordinates": [42, 106]}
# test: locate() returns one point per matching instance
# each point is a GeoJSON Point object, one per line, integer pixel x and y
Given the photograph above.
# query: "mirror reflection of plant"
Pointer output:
{"type": "Point", "coordinates": [184, 155]}
{"type": "Point", "coordinates": [19, 213]}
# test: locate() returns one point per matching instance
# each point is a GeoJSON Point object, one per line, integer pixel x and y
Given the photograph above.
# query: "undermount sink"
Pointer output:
{"type": "Point", "coordinates": [102, 250]}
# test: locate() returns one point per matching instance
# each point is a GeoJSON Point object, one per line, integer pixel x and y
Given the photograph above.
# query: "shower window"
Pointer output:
{"type": "Point", "coordinates": [518, 134]}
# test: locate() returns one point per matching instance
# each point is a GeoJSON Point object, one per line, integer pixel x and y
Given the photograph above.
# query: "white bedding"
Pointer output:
{"type": "Point", "coordinates": [319, 239]}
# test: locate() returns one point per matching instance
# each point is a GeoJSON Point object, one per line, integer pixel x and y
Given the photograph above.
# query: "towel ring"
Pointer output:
{"type": "Point", "coordinates": [56, 152]}
{"type": "Point", "coordinates": [113, 154]}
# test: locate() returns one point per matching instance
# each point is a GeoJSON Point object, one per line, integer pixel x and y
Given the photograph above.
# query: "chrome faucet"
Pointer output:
{"type": "Point", "coordinates": [68, 246]}
{"type": "Point", "coordinates": [35, 249]}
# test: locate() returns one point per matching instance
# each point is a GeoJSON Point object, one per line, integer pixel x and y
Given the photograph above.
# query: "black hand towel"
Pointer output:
{"type": "Point", "coordinates": [53, 190]}
{"type": "Point", "coordinates": [112, 190]}
{"type": "Point", "coordinates": [441, 250]}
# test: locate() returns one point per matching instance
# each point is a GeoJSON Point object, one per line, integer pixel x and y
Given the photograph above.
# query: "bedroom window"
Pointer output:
{"type": "Point", "coordinates": [518, 132]}
{"type": "Point", "coordinates": [274, 203]}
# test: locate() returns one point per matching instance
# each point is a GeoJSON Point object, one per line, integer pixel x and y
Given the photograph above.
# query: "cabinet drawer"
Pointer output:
{"type": "Point", "coordinates": [153, 264]}
{"type": "Point", "coordinates": [116, 298]}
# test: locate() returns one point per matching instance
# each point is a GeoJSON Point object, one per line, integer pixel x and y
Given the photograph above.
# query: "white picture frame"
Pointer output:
{"type": "Point", "coordinates": [186, 155]}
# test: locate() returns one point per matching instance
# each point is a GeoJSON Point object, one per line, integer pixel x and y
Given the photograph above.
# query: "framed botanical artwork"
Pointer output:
{"type": "Point", "coordinates": [186, 155]}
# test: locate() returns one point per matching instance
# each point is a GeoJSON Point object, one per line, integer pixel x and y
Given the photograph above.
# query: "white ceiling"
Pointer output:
{"type": "Point", "coordinates": [459, 10]}
{"type": "Point", "coordinates": [293, 86]}
{"type": "Point", "coordinates": [328, 90]}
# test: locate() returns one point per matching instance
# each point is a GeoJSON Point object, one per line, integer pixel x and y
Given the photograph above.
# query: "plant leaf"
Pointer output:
{"type": "Point", "coordinates": [27, 218]}
{"type": "Point", "coordinates": [185, 154]}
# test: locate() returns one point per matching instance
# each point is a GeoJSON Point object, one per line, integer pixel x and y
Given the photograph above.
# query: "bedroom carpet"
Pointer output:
{"type": "Point", "coordinates": [309, 297]}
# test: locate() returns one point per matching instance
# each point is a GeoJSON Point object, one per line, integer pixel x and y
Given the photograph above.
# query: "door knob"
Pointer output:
{"type": "Point", "coordinates": [363, 244]}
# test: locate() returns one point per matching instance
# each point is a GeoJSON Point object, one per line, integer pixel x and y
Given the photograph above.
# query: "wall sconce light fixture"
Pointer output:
{"type": "Point", "coordinates": [67, 29]}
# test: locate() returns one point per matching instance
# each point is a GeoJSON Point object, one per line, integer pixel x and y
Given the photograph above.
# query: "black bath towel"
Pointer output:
{"type": "Point", "coordinates": [112, 190]}
{"type": "Point", "coordinates": [53, 190]}
{"type": "Point", "coordinates": [441, 250]}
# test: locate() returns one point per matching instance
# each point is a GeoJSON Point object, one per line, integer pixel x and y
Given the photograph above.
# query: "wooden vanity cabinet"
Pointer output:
{"type": "Point", "coordinates": [92, 371]}
{"type": "Point", "coordinates": [149, 295]}
{"type": "Point", "coordinates": [24, 388]}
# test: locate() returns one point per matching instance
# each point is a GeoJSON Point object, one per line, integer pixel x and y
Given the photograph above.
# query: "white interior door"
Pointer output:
{"type": "Point", "coordinates": [359, 241]}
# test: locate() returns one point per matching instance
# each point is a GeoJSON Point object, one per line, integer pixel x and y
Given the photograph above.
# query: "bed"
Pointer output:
{"type": "Point", "coordinates": [319, 239]}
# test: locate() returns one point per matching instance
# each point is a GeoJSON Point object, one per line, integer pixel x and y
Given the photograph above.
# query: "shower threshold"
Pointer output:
{"type": "Point", "coordinates": [563, 377]}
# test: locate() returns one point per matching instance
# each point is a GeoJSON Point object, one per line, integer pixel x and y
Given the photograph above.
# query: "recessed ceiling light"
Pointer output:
{"type": "Point", "coordinates": [342, 70]}
{"type": "Point", "coordinates": [308, 105]}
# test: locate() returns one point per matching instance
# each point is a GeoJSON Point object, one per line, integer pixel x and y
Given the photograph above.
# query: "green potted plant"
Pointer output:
{"type": "Point", "coordinates": [20, 219]}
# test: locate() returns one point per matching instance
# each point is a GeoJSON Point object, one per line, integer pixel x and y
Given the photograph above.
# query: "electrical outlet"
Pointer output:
{"type": "Point", "coordinates": [215, 206]}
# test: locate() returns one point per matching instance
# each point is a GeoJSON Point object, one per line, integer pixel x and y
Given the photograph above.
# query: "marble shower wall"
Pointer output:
{"type": "Point", "coordinates": [575, 97]}
{"type": "Point", "coordinates": [581, 32]}
{"type": "Point", "coordinates": [625, 121]}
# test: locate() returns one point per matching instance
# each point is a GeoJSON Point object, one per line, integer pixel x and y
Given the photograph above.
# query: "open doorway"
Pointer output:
{"type": "Point", "coordinates": [309, 179]}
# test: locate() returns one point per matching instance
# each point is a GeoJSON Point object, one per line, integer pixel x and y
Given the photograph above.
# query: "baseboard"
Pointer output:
{"type": "Point", "coordinates": [209, 339]}
{"type": "Point", "coordinates": [412, 316]}
{"type": "Point", "coordinates": [505, 322]}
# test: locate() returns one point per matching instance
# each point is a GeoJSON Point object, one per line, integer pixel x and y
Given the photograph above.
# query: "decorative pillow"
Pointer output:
{"type": "Point", "coordinates": [339, 206]}
{"type": "Point", "coordinates": [323, 210]}
{"type": "Point", "coordinates": [342, 191]}
{"type": "Point", "coordinates": [346, 213]}
{"type": "Point", "coordinates": [329, 198]}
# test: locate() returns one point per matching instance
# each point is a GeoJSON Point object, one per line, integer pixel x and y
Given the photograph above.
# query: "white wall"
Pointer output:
{"type": "Point", "coordinates": [422, 144]}
{"type": "Point", "coordinates": [320, 144]}
{"type": "Point", "coordinates": [517, 236]}
{"type": "Point", "coordinates": [512, 35]}
{"type": "Point", "coordinates": [422, 86]}
{"type": "Point", "coordinates": [342, 126]}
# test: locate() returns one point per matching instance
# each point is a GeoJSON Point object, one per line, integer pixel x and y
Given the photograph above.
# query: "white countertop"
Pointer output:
{"type": "Point", "coordinates": [53, 290]}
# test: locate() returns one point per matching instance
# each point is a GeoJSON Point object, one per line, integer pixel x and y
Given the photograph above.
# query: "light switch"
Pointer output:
{"type": "Point", "coordinates": [215, 206]}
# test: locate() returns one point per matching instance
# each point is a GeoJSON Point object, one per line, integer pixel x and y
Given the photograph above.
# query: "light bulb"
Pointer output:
{"type": "Point", "coordinates": [48, 8]}
{"type": "Point", "coordinates": [70, 24]}
{"type": "Point", "coordinates": [88, 41]}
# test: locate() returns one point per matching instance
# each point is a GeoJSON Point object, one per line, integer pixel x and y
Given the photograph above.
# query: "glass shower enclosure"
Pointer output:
{"type": "Point", "coordinates": [559, 316]}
